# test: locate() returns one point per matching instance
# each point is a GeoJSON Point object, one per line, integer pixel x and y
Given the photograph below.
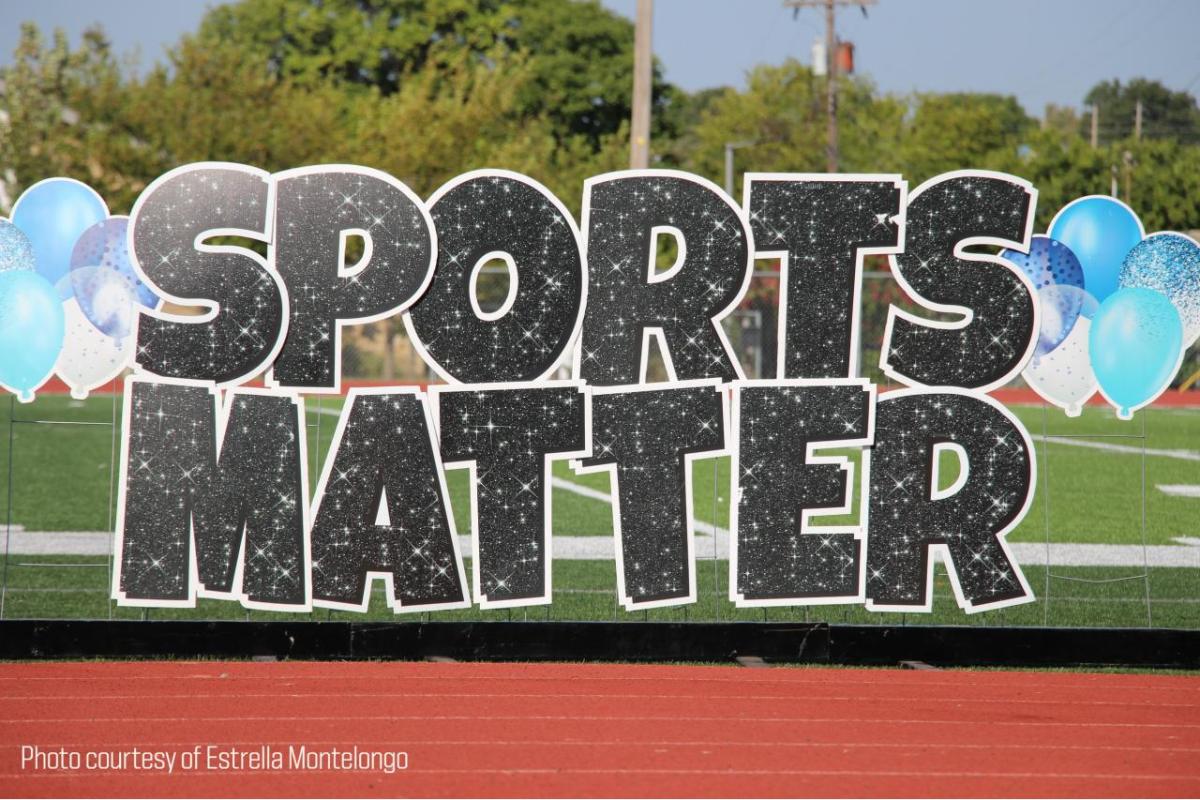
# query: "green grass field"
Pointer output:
{"type": "Point", "coordinates": [62, 481]}
{"type": "Point", "coordinates": [77, 587]}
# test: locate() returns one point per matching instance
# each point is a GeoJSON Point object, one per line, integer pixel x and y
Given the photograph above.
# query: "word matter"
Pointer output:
{"type": "Point", "coordinates": [214, 497]}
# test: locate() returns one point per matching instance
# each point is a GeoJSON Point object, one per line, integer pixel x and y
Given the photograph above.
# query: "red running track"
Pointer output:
{"type": "Point", "coordinates": [533, 730]}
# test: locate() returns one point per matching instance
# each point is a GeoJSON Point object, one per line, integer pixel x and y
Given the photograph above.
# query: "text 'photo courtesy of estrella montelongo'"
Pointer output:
{"type": "Point", "coordinates": [212, 497]}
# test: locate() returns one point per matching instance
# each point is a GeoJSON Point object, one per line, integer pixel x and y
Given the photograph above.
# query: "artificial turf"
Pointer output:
{"type": "Point", "coordinates": [62, 454]}
{"type": "Point", "coordinates": [77, 587]}
{"type": "Point", "coordinates": [62, 479]}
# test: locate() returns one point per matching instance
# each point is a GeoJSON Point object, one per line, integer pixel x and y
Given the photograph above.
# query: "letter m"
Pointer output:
{"type": "Point", "coordinates": [212, 500]}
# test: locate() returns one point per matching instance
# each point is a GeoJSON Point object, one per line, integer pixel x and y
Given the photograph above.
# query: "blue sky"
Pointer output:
{"type": "Point", "coordinates": [1039, 50]}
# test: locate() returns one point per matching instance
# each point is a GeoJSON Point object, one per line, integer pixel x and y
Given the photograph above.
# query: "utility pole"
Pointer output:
{"type": "Point", "coordinates": [1137, 120]}
{"type": "Point", "coordinates": [643, 61]}
{"type": "Point", "coordinates": [1095, 126]}
{"type": "Point", "coordinates": [831, 56]}
{"type": "Point", "coordinates": [729, 173]}
{"type": "Point", "coordinates": [1127, 159]}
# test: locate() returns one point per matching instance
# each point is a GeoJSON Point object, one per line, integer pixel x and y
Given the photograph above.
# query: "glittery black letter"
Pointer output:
{"type": "Point", "coordinates": [949, 212]}
{"type": "Point", "coordinates": [777, 559]}
{"type": "Point", "coordinates": [315, 208]}
{"type": "Point", "coordinates": [490, 214]}
{"type": "Point", "coordinates": [248, 501]}
{"type": "Point", "coordinates": [250, 301]}
{"type": "Point", "coordinates": [646, 439]}
{"type": "Point", "coordinates": [909, 514]}
{"type": "Point", "coordinates": [507, 434]}
{"type": "Point", "coordinates": [626, 299]}
{"type": "Point", "coordinates": [820, 228]}
{"type": "Point", "coordinates": [381, 508]}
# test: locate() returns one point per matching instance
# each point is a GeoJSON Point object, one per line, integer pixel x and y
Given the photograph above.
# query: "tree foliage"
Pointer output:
{"type": "Point", "coordinates": [1166, 114]}
{"type": "Point", "coordinates": [959, 131]}
{"type": "Point", "coordinates": [426, 89]}
{"type": "Point", "coordinates": [63, 114]}
{"type": "Point", "coordinates": [438, 125]}
{"type": "Point", "coordinates": [580, 55]}
{"type": "Point", "coordinates": [779, 119]}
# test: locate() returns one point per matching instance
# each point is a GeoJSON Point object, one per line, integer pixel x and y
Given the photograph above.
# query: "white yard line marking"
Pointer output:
{"type": "Point", "coordinates": [600, 548]}
{"type": "Point", "coordinates": [1184, 455]}
{"type": "Point", "coordinates": [594, 494]}
{"type": "Point", "coordinates": [1180, 489]}
{"type": "Point", "coordinates": [583, 491]}
{"type": "Point", "coordinates": [67, 543]}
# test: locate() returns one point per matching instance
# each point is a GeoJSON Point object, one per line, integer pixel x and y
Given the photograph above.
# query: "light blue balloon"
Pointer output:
{"type": "Point", "coordinates": [53, 213]}
{"type": "Point", "coordinates": [32, 327]}
{"type": "Point", "coordinates": [1135, 345]}
{"type": "Point", "coordinates": [1100, 231]}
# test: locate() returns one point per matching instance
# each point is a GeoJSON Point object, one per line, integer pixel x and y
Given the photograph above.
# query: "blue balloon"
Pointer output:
{"type": "Point", "coordinates": [15, 250]}
{"type": "Point", "coordinates": [105, 244]}
{"type": "Point", "coordinates": [1100, 231]}
{"type": "Point", "coordinates": [32, 327]}
{"type": "Point", "coordinates": [1135, 345]}
{"type": "Point", "coordinates": [53, 213]}
{"type": "Point", "coordinates": [1052, 267]}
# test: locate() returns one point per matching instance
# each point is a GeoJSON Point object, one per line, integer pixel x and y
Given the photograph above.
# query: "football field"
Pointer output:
{"type": "Point", "coordinates": [1112, 538]}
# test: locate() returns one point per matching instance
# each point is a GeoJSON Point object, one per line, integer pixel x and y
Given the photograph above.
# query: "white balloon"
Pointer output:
{"type": "Point", "coordinates": [1064, 376]}
{"type": "Point", "coordinates": [89, 358]}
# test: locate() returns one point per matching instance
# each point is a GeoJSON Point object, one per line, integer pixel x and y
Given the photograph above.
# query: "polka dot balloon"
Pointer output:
{"type": "Point", "coordinates": [105, 245]}
{"type": "Point", "coordinates": [1050, 264]}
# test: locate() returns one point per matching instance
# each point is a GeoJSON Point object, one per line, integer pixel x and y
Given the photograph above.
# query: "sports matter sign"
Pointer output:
{"type": "Point", "coordinates": [213, 491]}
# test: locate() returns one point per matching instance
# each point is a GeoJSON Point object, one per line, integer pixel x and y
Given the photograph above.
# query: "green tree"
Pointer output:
{"type": "Point", "coordinates": [1166, 114]}
{"type": "Point", "coordinates": [1063, 119]}
{"type": "Point", "coordinates": [580, 54]}
{"type": "Point", "coordinates": [1160, 179]}
{"type": "Point", "coordinates": [1059, 164]}
{"type": "Point", "coordinates": [469, 116]}
{"type": "Point", "coordinates": [211, 102]}
{"type": "Point", "coordinates": [959, 131]}
{"type": "Point", "coordinates": [686, 111]}
{"type": "Point", "coordinates": [1163, 183]}
{"type": "Point", "coordinates": [782, 111]}
{"type": "Point", "coordinates": [63, 114]}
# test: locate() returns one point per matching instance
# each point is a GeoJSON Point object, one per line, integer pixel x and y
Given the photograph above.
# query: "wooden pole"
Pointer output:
{"type": "Point", "coordinates": [831, 85]}
{"type": "Point", "coordinates": [831, 147]}
{"type": "Point", "coordinates": [643, 60]}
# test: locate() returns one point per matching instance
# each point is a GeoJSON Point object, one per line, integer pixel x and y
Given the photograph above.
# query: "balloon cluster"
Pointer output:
{"type": "Point", "coordinates": [1118, 308]}
{"type": "Point", "coordinates": [68, 291]}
